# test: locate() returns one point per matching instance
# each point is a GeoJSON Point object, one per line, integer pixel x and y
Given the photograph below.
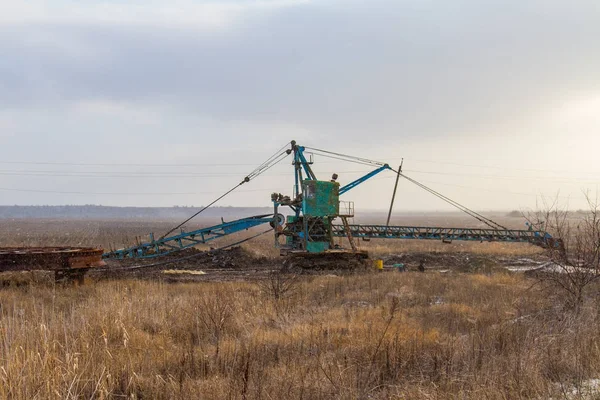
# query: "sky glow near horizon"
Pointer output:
{"type": "Point", "coordinates": [495, 104]}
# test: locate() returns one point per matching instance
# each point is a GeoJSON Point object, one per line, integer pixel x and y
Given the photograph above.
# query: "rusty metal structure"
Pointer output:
{"type": "Point", "coordinates": [310, 226]}
{"type": "Point", "coordinates": [70, 263]}
{"type": "Point", "coordinates": [308, 229]}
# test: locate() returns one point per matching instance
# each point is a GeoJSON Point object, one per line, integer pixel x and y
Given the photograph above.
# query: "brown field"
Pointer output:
{"type": "Point", "coordinates": [362, 335]}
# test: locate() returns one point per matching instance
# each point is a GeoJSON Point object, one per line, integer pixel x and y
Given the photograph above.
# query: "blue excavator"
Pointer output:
{"type": "Point", "coordinates": [316, 216]}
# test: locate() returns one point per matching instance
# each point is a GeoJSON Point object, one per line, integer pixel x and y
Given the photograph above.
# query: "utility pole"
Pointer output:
{"type": "Point", "coordinates": [394, 194]}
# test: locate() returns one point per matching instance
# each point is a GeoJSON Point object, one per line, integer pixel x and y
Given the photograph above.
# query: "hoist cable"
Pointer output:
{"type": "Point", "coordinates": [271, 161]}
{"type": "Point", "coordinates": [464, 209]}
{"type": "Point", "coordinates": [365, 160]}
{"type": "Point", "coordinates": [202, 209]}
{"type": "Point", "coordinates": [344, 159]}
{"type": "Point", "coordinates": [258, 170]}
{"type": "Point", "coordinates": [267, 167]}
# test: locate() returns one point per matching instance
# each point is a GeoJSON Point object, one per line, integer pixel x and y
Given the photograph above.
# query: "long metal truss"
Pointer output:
{"type": "Point", "coordinates": [184, 240]}
{"type": "Point", "coordinates": [445, 234]}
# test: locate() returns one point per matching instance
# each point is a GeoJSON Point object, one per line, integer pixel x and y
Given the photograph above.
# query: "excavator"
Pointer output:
{"type": "Point", "coordinates": [314, 217]}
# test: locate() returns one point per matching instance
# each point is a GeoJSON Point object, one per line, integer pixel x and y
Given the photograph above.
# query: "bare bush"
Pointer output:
{"type": "Point", "coordinates": [214, 313]}
{"type": "Point", "coordinates": [279, 285]}
{"type": "Point", "coordinates": [574, 251]}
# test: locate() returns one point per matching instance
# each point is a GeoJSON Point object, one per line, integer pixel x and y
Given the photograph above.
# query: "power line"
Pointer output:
{"type": "Point", "coordinates": [144, 175]}
{"type": "Point", "coordinates": [241, 191]}
{"type": "Point", "coordinates": [496, 167]}
{"type": "Point", "coordinates": [126, 176]}
{"type": "Point", "coordinates": [83, 164]}
{"type": "Point", "coordinates": [503, 191]}
{"type": "Point", "coordinates": [154, 173]}
{"type": "Point", "coordinates": [524, 178]}
{"type": "Point", "coordinates": [183, 174]}
{"type": "Point", "coordinates": [124, 193]}
{"type": "Point", "coordinates": [489, 190]}
{"type": "Point", "coordinates": [116, 164]}
{"type": "Point", "coordinates": [125, 164]}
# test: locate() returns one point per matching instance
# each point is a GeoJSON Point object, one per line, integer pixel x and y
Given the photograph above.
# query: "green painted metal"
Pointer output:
{"type": "Point", "coordinates": [317, 247]}
{"type": "Point", "coordinates": [320, 198]}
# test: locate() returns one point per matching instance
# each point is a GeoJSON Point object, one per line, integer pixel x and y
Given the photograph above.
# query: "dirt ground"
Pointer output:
{"type": "Point", "coordinates": [258, 258]}
{"type": "Point", "coordinates": [192, 265]}
{"type": "Point", "coordinates": [239, 264]}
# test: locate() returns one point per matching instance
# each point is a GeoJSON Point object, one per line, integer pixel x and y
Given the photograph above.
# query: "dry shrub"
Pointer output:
{"type": "Point", "coordinates": [379, 335]}
{"type": "Point", "coordinates": [279, 285]}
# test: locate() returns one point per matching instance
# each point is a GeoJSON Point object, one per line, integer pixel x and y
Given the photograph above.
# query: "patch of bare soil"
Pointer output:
{"type": "Point", "coordinates": [233, 264]}
{"type": "Point", "coordinates": [460, 262]}
{"type": "Point", "coordinates": [237, 264]}
{"type": "Point", "coordinates": [221, 265]}
{"type": "Point", "coordinates": [315, 263]}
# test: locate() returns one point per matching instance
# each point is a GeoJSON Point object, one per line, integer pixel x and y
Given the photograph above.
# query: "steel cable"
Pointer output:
{"type": "Point", "coordinates": [364, 160]}
{"type": "Point", "coordinates": [271, 161]}
{"type": "Point", "coordinates": [462, 208]}
{"type": "Point", "coordinates": [343, 159]}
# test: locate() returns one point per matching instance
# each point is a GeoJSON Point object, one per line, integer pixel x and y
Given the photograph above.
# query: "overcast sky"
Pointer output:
{"type": "Point", "coordinates": [494, 103]}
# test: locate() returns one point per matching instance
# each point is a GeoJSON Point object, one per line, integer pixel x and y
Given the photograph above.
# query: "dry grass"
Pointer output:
{"type": "Point", "coordinates": [377, 335]}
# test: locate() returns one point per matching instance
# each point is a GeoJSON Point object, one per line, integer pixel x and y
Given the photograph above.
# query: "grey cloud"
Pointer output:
{"type": "Point", "coordinates": [421, 68]}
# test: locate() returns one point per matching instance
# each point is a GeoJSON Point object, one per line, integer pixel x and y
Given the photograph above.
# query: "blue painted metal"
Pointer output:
{"type": "Point", "coordinates": [300, 158]}
{"type": "Point", "coordinates": [310, 230]}
{"type": "Point", "coordinates": [368, 176]}
{"type": "Point", "coordinates": [184, 240]}
{"type": "Point", "coordinates": [539, 238]}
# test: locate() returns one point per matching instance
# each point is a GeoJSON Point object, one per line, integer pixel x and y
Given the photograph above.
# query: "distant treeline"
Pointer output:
{"type": "Point", "coordinates": [103, 212]}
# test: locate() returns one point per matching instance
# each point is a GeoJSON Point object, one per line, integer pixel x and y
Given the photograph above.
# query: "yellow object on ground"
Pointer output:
{"type": "Point", "coordinates": [378, 264]}
{"type": "Point", "coordinates": [183, 271]}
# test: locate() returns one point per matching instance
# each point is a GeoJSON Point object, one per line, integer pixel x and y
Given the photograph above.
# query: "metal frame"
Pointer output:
{"type": "Point", "coordinates": [303, 230]}
{"type": "Point", "coordinates": [445, 234]}
{"type": "Point", "coordinates": [311, 226]}
{"type": "Point", "coordinates": [185, 240]}
{"type": "Point", "coordinates": [368, 176]}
